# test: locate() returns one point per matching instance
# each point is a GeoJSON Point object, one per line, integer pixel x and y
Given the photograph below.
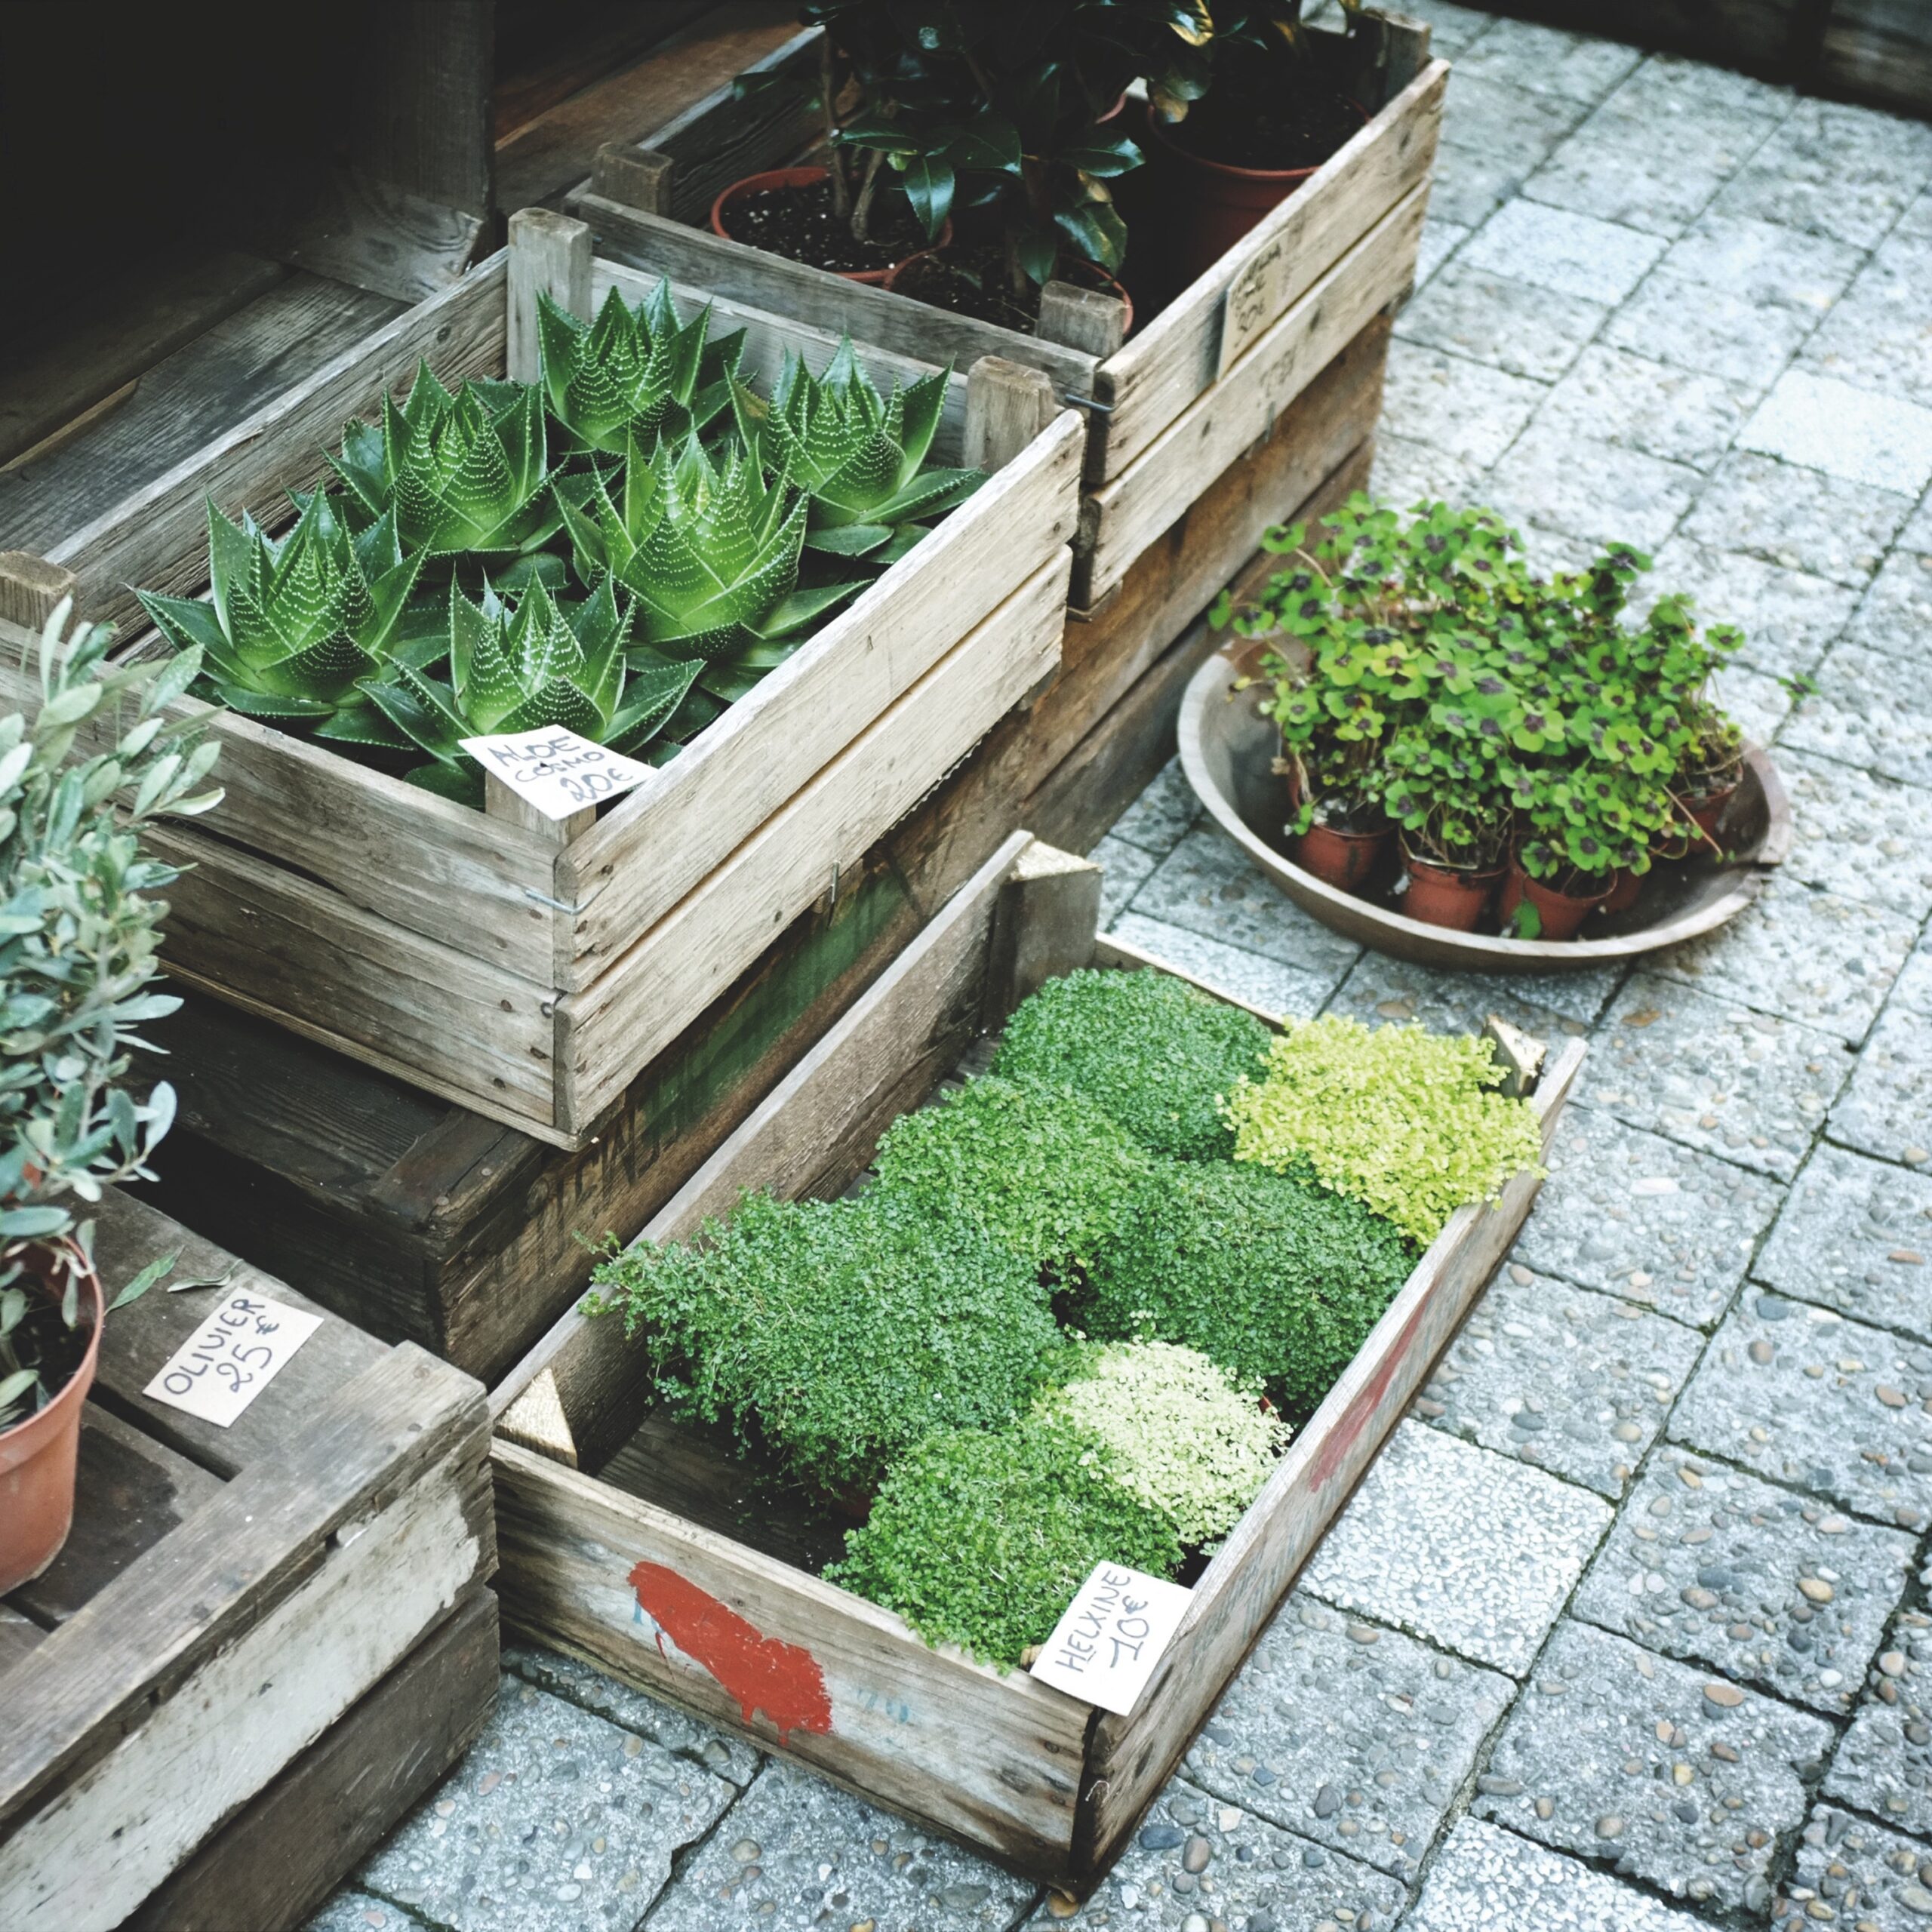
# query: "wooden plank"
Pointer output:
{"type": "Point", "coordinates": [1047, 916]}
{"type": "Point", "coordinates": [543, 56]}
{"type": "Point", "coordinates": [1082, 318]}
{"type": "Point", "coordinates": [330, 1808]}
{"type": "Point", "coordinates": [636, 177]}
{"type": "Point", "coordinates": [1122, 518]}
{"type": "Point", "coordinates": [605, 1033]}
{"type": "Point", "coordinates": [858, 1696]}
{"type": "Point", "coordinates": [18, 1635]}
{"type": "Point", "coordinates": [1880, 51]}
{"type": "Point", "coordinates": [1130, 1757]}
{"type": "Point", "coordinates": [1007, 405]}
{"type": "Point", "coordinates": [31, 590]}
{"type": "Point", "coordinates": [376, 236]}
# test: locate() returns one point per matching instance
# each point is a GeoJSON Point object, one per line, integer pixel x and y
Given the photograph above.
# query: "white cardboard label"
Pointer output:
{"type": "Point", "coordinates": [1108, 1640]}
{"type": "Point", "coordinates": [559, 772]}
{"type": "Point", "coordinates": [237, 1351]}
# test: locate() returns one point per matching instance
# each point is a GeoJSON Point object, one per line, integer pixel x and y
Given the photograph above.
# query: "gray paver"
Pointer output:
{"type": "Point", "coordinates": [1764, 262]}
{"type": "Point", "coordinates": [1408, 472]}
{"type": "Point", "coordinates": [1545, 60]}
{"type": "Point", "coordinates": [1576, 1382]}
{"type": "Point", "coordinates": [1865, 1876]}
{"type": "Point", "coordinates": [1878, 334]}
{"type": "Point", "coordinates": [1781, 1591]}
{"type": "Point", "coordinates": [1865, 437]}
{"type": "Point", "coordinates": [1886, 1108]}
{"type": "Point", "coordinates": [357, 1911]}
{"type": "Point", "coordinates": [1266, 983]}
{"type": "Point", "coordinates": [1745, 1086]}
{"type": "Point", "coordinates": [1246, 1873]}
{"type": "Point", "coordinates": [1468, 1549]}
{"type": "Point", "coordinates": [1574, 254]}
{"type": "Point", "coordinates": [1515, 127]}
{"type": "Point", "coordinates": [1487, 1879]}
{"type": "Point", "coordinates": [797, 1852]}
{"type": "Point", "coordinates": [1885, 1765]}
{"type": "Point", "coordinates": [1440, 240]}
{"type": "Point", "coordinates": [1591, 489]}
{"type": "Point", "coordinates": [1124, 869]}
{"type": "Point", "coordinates": [1645, 1217]}
{"type": "Point", "coordinates": [1895, 614]}
{"type": "Point", "coordinates": [1356, 1736]}
{"type": "Point", "coordinates": [1550, 1005]}
{"type": "Point", "coordinates": [1676, 319]}
{"type": "Point", "coordinates": [557, 1821]}
{"type": "Point", "coordinates": [1681, 415]}
{"type": "Point", "coordinates": [1846, 172]}
{"type": "Point", "coordinates": [1788, 617]}
{"type": "Point", "coordinates": [1494, 319]}
{"type": "Point", "coordinates": [1759, 701]}
{"type": "Point", "coordinates": [1861, 835]}
{"type": "Point", "coordinates": [1856, 1235]}
{"type": "Point", "coordinates": [1618, 1755]}
{"type": "Point", "coordinates": [1469, 408]}
{"type": "Point", "coordinates": [1917, 534]}
{"type": "Point", "coordinates": [1801, 1394]}
{"type": "Point", "coordinates": [1163, 815]}
{"type": "Point", "coordinates": [1869, 709]}
{"type": "Point", "coordinates": [1472, 182]}
{"type": "Point", "coordinates": [1800, 517]}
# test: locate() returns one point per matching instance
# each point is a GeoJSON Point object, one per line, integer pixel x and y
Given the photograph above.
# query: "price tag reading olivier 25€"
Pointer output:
{"type": "Point", "coordinates": [557, 771]}
{"type": "Point", "coordinates": [235, 1354]}
{"type": "Point", "coordinates": [1107, 1642]}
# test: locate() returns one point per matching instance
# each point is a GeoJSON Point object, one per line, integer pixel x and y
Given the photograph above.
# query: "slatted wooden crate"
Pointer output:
{"type": "Point", "coordinates": [1173, 407]}
{"type": "Point", "coordinates": [262, 1644]}
{"type": "Point", "coordinates": [529, 973]}
{"type": "Point", "coordinates": [590, 1485]}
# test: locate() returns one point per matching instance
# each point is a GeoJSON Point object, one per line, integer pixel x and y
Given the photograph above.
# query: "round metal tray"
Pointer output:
{"type": "Point", "coordinates": [1228, 748]}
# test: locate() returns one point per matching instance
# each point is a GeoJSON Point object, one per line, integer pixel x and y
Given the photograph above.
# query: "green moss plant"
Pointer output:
{"type": "Point", "coordinates": [1407, 1122]}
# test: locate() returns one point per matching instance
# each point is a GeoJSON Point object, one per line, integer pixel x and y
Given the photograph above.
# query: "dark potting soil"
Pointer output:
{"type": "Point", "coordinates": [44, 1342]}
{"type": "Point", "coordinates": [969, 281]}
{"type": "Point", "coordinates": [801, 223]}
{"type": "Point", "coordinates": [1277, 121]}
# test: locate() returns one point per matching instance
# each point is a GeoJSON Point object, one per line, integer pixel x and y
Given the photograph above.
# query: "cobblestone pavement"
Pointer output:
{"type": "Point", "coordinates": [1629, 1630]}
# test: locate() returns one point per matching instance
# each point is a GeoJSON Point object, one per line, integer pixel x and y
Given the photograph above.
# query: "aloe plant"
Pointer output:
{"type": "Point", "coordinates": [855, 454]}
{"type": "Point", "coordinates": [634, 370]}
{"type": "Point", "coordinates": [295, 623]}
{"type": "Point", "coordinates": [523, 668]}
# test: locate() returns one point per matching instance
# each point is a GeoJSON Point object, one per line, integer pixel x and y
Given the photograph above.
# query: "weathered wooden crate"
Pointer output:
{"type": "Point", "coordinates": [530, 973]}
{"type": "Point", "coordinates": [1172, 408]}
{"type": "Point", "coordinates": [262, 1644]}
{"type": "Point", "coordinates": [590, 1485]}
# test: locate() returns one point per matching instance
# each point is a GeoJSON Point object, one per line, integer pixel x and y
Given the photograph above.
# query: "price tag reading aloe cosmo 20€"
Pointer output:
{"type": "Point", "coordinates": [557, 771]}
{"type": "Point", "coordinates": [1105, 1645]}
{"type": "Point", "coordinates": [238, 1349]}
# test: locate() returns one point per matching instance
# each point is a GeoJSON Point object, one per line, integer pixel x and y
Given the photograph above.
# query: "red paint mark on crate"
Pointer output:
{"type": "Point", "coordinates": [763, 1673]}
{"type": "Point", "coordinates": [1367, 1403]}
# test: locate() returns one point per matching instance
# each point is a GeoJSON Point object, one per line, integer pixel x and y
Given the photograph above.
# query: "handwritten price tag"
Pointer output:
{"type": "Point", "coordinates": [1107, 1642]}
{"type": "Point", "coordinates": [558, 771]}
{"type": "Point", "coordinates": [236, 1353]}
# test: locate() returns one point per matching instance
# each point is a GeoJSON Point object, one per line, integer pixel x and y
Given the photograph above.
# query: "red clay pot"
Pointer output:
{"type": "Point", "coordinates": [1562, 915]}
{"type": "Point", "coordinates": [1347, 860]}
{"type": "Point", "coordinates": [1446, 895]}
{"type": "Point", "coordinates": [1624, 892]}
{"type": "Point", "coordinates": [1707, 815]}
{"type": "Point", "coordinates": [804, 177]}
{"type": "Point", "coordinates": [37, 1463]}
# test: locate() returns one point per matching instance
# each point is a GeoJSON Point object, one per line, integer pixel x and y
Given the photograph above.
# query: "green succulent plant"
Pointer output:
{"type": "Point", "coordinates": [640, 370]}
{"type": "Point", "coordinates": [523, 668]}
{"type": "Point", "coordinates": [295, 623]}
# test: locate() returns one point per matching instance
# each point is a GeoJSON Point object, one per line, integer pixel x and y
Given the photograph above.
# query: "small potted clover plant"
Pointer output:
{"type": "Point", "coordinates": [79, 935]}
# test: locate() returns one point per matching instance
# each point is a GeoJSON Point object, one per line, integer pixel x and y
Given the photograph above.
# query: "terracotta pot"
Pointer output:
{"type": "Point", "coordinates": [1624, 892]}
{"type": "Point", "coordinates": [1561, 914]}
{"type": "Point", "coordinates": [1347, 860]}
{"type": "Point", "coordinates": [804, 177]}
{"type": "Point", "coordinates": [1446, 895]}
{"type": "Point", "coordinates": [1707, 815]}
{"type": "Point", "coordinates": [891, 278]}
{"type": "Point", "coordinates": [37, 1464]}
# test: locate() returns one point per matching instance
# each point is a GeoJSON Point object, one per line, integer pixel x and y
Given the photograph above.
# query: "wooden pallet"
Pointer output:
{"type": "Point", "coordinates": [262, 1643]}
{"type": "Point", "coordinates": [1039, 1779]}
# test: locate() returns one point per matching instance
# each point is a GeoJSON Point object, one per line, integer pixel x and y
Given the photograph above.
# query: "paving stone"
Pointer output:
{"type": "Point", "coordinates": [1544, 60]}
{"type": "Point", "coordinates": [1861, 836]}
{"type": "Point", "coordinates": [1408, 472]}
{"type": "Point", "coordinates": [664, 1725]}
{"type": "Point", "coordinates": [1125, 867]}
{"type": "Point", "coordinates": [556, 1821]}
{"type": "Point", "coordinates": [1494, 319]}
{"type": "Point", "coordinates": [1440, 240]}
{"type": "Point", "coordinates": [1573, 254]}
{"type": "Point", "coordinates": [1549, 551]}
{"type": "Point", "coordinates": [797, 1852]}
{"type": "Point", "coordinates": [1468, 408]}
{"type": "Point", "coordinates": [1612, 396]}
{"type": "Point", "coordinates": [1816, 957]}
{"type": "Point", "coordinates": [1713, 1073]}
{"type": "Point", "coordinates": [1163, 815]}
{"type": "Point", "coordinates": [1856, 1235]}
{"type": "Point", "coordinates": [1676, 319]}
{"type": "Point", "coordinates": [1207, 886]}
{"type": "Point", "coordinates": [1550, 1005]}
{"type": "Point", "coordinates": [1486, 1880]}
{"type": "Point", "coordinates": [1801, 1395]}
{"type": "Point", "coordinates": [1513, 127]}
{"type": "Point", "coordinates": [1799, 518]}
{"type": "Point", "coordinates": [1759, 701]}
{"type": "Point", "coordinates": [1880, 334]}
{"type": "Point", "coordinates": [1470, 184]}
{"type": "Point", "coordinates": [1895, 615]}
{"type": "Point", "coordinates": [1262, 982]}
{"type": "Point", "coordinates": [1575, 1383]}
{"type": "Point", "coordinates": [357, 1911]}
{"type": "Point", "coordinates": [1885, 1765]}
{"type": "Point", "coordinates": [1869, 709]}
{"type": "Point", "coordinates": [1762, 262]}
{"type": "Point", "coordinates": [1917, 534]}
{"type": "Point", "coordinates": [1701, 89]}
{"type": "Point", "coordinates": [1788, 617]}
{"type": "Point", "coordinates": [1462, 1548]}
{"type": "Point", "coordinates": [1451, 28]}
{"type": "Point", "coordinates": [1609, 1754]}
{"type": "Point", "coordinates": [1590, 489]}
{"type": "Point", "coordinates": [1247, 1875]}
{"type": "Point", "coordinates": [1356, 1736]}
{"type": "Point", "coordinates": [1863, 1875]}
{"type": "Point", "coordinates": [1858, 433]}
{"type": "Point", "coordinates": [1645, 1218]}
{"type": "Point", "coordinates": [1713, 1567]}
{"type": "Point", "coordinates": [1886, 1109]}
{"type": "Point", "coordinates": [1846, 172]}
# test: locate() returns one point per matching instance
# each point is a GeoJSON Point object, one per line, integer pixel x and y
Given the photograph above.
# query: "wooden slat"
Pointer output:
{"type": "Point", "coordinates": [544, 55]}
{"type": "Point", "coordinates": [18, 1635]}
{"type": "Point", "coordinates": [605, 1033]}
{"type": "Point", "coordinates": [1122, 518]}
{"type": "Point", "coordinates": [994, 1758]}
{"type": "Point", "coordinates": [1047, 916]}
{"type": "Point", "coordinates": [643, 857]}
{"type": "Point", "coordinates": [1130, 1757]}
{"type": "Point", "coordinates": [373, 235]}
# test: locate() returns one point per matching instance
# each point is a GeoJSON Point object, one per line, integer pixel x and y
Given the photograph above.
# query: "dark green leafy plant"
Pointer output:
{"type": "Point", "coordinates": [1146, 1048]}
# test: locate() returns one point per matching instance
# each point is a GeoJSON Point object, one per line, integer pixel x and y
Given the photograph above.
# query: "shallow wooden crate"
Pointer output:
{"type": "Point", "coordinates": [486, 961]}
{"type": "Point", "coordinates": [590, 1486]}
{"type": "Point", "coordinates": [261, 1644]}
{"type": "Point", "coordinates": [1172, 408]}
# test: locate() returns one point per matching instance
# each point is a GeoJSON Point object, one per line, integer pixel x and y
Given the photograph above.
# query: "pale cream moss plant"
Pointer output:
{"type": "Point", "coordinates": [1407, 1122]}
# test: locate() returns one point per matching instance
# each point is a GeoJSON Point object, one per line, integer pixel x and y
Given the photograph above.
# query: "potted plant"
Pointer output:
{"type": "Point", "coordinates": [1447, 798]}
{"type": "Point", "coordinates": [79, 933]}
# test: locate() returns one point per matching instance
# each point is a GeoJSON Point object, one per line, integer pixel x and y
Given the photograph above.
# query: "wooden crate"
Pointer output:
{"type": "Point", "coordinates": [530, 973]}
{"type": "Point", "coordinates": [1173, 406]}
{"type": "Point", "coordinates": [1002, 1761]}
{"type": "Point", "coordinates": [262, 1644]}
